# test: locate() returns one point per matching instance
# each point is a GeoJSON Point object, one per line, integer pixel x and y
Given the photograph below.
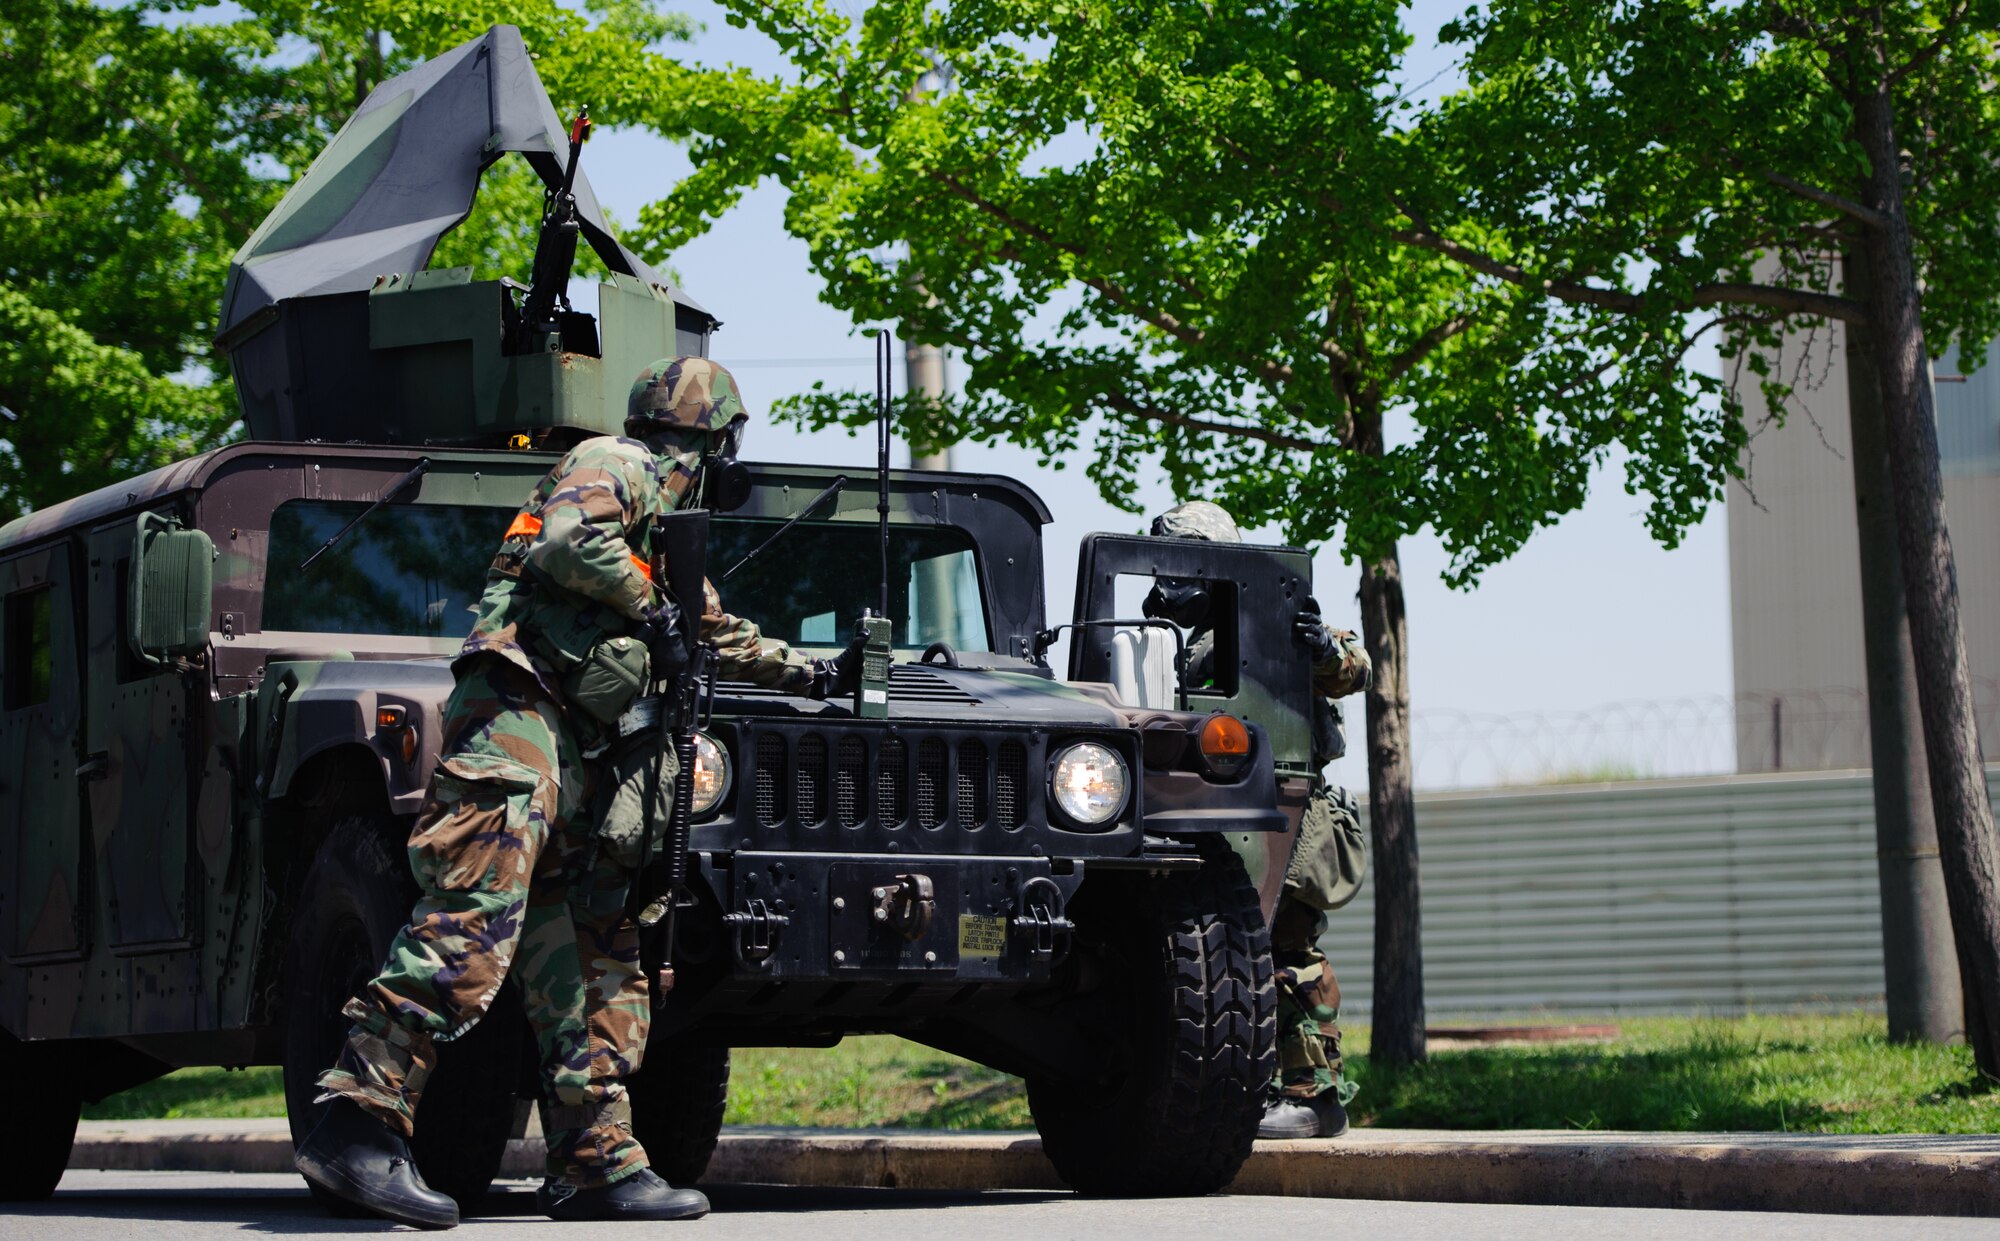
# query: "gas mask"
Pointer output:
{"type": "Point", "coordinates": [1184, 601]}
{"type": "Point", "coordinates": [725, 481]}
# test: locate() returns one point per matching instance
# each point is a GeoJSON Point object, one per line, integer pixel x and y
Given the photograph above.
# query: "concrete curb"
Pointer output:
{"type": "Point", "coordinates": [1759, 1172]}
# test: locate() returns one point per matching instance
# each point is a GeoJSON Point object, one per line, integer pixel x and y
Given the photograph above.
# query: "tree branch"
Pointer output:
{"type": "Point", "coordinates": [1153, 413]}
{"type": "Point", "coordinates": [972, 346]}
{"type": "Point", "coordinates": [1719, 293]}
{"type": "Point", "coordinates": [1273, 375]}
{"type": "Point", "coordinates": [1812, 193]}
{"type": "Point", "coordinates": [1946, 29]}
{"type": "Point", "coordinates": [1421, 348]}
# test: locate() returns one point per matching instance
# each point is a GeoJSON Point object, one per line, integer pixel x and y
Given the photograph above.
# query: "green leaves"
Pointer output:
{"type": "Point", "coordinates": [1209, 239]}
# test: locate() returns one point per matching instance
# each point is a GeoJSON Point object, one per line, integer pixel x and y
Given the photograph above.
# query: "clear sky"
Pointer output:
{"type": "Point", "coordinates": [1591, 612]}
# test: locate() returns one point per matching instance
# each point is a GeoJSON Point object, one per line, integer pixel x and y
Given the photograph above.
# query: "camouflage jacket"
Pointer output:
{"type": "Point", "coordinates": [573, 569]}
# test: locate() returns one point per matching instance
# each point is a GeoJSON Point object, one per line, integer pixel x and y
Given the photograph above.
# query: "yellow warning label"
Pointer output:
{"type": "Point", "coordinates": [981, 936]}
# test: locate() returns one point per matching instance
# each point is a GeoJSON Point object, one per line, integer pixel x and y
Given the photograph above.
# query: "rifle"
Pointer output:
{"type": "Point", "coordinates": [680, 543]}
{"type": "Point", "coordinates": [555, 250]}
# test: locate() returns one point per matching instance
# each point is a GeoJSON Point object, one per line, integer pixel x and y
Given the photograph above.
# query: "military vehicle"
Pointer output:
{"type": "Point", "coordinates": [220, 703]}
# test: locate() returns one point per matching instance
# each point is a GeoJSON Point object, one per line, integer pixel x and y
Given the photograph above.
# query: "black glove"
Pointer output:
{"type": "Point", "coordinates": [661, 632]}
{"type": "Point", "coordinates": [833, 678]}
{"type": "Point", "coordinates": [1310, 630]}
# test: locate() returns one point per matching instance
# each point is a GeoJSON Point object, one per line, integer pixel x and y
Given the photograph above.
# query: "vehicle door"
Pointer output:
{"type": "Point", "coordinates": [136, 759]}
{"type": "Point", "coordinates": [1258, 670]}
{"type": "Point", "coordinates": [41, 712]}
{"type": "Point", "coordinates": [1254, 668]}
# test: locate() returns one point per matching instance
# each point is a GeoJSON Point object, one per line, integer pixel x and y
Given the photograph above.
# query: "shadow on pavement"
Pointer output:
{"type": "Point", "coordinates": [286, 1212]}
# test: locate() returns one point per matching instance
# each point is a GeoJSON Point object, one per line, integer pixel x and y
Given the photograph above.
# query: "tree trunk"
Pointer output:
{"type": "Point", "coordinates": [1398, 1035]}
{"type": "Point", "coordinates": [1959, 800]}
{"type": "Point", "coordinates": [1920, 967]}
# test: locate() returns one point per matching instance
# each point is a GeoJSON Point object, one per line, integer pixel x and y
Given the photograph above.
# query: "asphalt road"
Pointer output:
{"type": "Point", "coordinates": [172, 1206]}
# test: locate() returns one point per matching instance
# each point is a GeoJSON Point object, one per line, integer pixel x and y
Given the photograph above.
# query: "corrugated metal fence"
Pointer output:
{"type": "Point", "coordinates": [1722, 894]}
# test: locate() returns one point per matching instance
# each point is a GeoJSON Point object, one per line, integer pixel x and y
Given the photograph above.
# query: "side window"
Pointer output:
{"type": "Point", "coordinates": [1206, 614]}
{"type": "Point", "coordinates": [29, 647]}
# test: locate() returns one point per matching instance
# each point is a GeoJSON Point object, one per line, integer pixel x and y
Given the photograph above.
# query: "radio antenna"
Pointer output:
{"type": "Point", "coordinates": [884, 361]}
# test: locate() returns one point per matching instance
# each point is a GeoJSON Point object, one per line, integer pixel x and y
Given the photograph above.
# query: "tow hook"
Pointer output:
{"type": "Point", "coordinates": [757, 930]}
{"type": "Point", "coordinates": [1041, 918]}
{"type": "Point", "coordinates": [907, 906]}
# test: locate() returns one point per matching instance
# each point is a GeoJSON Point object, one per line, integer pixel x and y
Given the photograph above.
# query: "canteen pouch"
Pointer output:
{"type": "Point", "coordinates": [604, 683]}
{"type": "Point", "coordinates": [1330, 857]}
{"type": "Point", "coordinates": [623, 794]}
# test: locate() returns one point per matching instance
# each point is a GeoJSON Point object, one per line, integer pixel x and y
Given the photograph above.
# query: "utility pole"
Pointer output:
{"type": "Point", "coordinates": [924, 375]}
{"type": "Point", "coordinates": [1925, 999]}
{"type": "Point", "coordinates": [936, 583]}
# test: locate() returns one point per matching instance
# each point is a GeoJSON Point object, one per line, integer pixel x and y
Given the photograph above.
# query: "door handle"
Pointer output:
{"type": "Point", "coordinates": [94, 765]}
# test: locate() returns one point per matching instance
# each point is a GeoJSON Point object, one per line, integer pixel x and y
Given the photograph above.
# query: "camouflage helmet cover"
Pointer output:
{"type": "Point", "coordinates": [1197, 519]}
{"type": "Point", "coordinates": [687, 392]}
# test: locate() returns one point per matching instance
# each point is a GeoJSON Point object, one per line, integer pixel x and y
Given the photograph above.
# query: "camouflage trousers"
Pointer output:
{"type": "Point", "coordinates": [1308, 1005]}
{"type": "Point", "coordinates": [511, 887]}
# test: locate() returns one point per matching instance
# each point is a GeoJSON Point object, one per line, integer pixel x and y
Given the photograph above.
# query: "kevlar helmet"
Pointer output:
{"type": "Point", "coordinates": [692, 402]}
{"type": "Point", "coordinates": [685, 394]}
{"type": "Point", "coordinates": [1197, 519]}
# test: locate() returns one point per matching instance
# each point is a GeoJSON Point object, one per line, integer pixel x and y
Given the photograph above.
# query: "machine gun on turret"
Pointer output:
{"type": "Point", "coordinates": [546, 310]}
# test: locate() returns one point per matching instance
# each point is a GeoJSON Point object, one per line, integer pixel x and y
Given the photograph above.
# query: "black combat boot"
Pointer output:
{"type": "Point", "coordinates": [358, 1159]}
{"type": "Point", "coordinates": [641, 1196]}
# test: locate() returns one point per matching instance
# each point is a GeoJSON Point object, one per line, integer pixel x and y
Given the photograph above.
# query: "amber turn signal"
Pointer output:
{"type": "Point", "coordinates": [396, 720]}
{"type": "Point", "coordinates": [1225, 745]}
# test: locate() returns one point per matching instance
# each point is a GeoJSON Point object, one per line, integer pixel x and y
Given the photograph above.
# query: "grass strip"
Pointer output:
{"type": "Point", "coordinates": [1803, 1073]}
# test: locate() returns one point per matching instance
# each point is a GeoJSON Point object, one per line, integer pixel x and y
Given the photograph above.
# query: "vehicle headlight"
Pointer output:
{"type": "Point", "coordinates": [1089, 784]}
{"type": "Point", "coordinates": [711, 773]}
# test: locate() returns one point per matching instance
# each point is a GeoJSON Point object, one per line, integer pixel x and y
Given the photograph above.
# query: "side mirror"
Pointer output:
{"type": "Point", "coordinates": [171, 589]}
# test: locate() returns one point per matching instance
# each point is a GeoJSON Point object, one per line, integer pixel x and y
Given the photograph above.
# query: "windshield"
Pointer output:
{"type": "Point", "coordinates": [415, 570]}
{"type": "Point", "coordinates": [418, 570]}
{"type": "Point", "coordinates": [811, 585]}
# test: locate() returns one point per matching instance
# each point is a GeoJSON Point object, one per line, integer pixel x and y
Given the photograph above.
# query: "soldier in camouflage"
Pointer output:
{"type": "Point", "coordinates": [1329, 855]}
{"type": "Point", "coordinates": [503, 851]}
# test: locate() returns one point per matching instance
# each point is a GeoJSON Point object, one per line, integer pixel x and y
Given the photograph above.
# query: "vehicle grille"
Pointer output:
{"type": "Point", "coordinates": [892, 782]}
{"type": "Point", "coordinates": [810, 783]}
{"type": "Point", "coordinates": [770, 781]}
{"type": "Point", "coordinates": [805, 777]}
{"type": "Point", "coordinates": [850, 783]}
{"type": "Point", "coordinates": [972, 799]}
{"type": "Point", "coordinates": [1010, 786]}
{"type": "Point", "coordinates": [930, 783]}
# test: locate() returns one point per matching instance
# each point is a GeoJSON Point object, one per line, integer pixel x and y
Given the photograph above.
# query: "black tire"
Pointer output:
{"type": "Point", "coordinates": [355, 898]}
{"type": "Point", "coordinates": [42, 1110]}
{"type": "Point", "coordinates": [678, 1097]}
{"type": "Point", "coordinates": [1190, 1032]}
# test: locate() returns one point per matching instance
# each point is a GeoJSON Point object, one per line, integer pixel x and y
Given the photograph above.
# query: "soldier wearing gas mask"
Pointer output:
{"type": "Point", "coordinates": [514, 882]}
{"type": "Point", "coordinates": [1329, 856]}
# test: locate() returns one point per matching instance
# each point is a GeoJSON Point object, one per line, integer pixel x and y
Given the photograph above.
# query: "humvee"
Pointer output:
{"type": "Point", "coordinates": [220, 703]}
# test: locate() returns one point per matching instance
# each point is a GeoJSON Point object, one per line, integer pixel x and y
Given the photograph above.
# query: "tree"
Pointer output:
{"type": "Point", "coordinates": [141, 144]}
{"type": "Point", "coordinates": [1180, 226]}
{"type": "Point", "coordinates": [1641, 162]}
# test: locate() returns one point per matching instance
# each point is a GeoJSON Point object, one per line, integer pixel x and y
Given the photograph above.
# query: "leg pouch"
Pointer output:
{"type": "Point", "coordinates": [1330, 857]}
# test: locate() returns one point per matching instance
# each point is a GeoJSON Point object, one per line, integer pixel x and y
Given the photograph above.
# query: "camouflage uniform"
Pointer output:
{"type": "Point", "coordinates": [502, 847]}
{"type": "Point", "coordinates": [1308, 993]}
{"type": "Point", "coordinates": [1309, 1060]}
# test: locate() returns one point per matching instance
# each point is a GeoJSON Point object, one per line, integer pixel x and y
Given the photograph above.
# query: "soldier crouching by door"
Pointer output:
{"type": "Point", "coordinates": [1328, 859]}
{"type": "Point", "coordinates": [513, 882]}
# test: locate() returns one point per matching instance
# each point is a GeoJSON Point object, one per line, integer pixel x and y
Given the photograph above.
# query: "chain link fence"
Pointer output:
{"type": "Point", "coordinates": [1793, 730]}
